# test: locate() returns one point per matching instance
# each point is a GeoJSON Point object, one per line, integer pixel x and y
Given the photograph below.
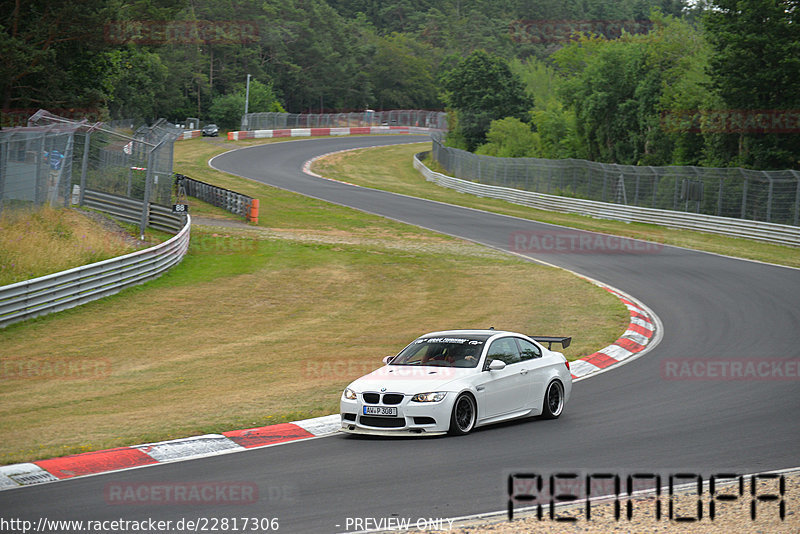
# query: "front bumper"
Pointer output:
{"type": "Point", "coordinates": [413, 418]}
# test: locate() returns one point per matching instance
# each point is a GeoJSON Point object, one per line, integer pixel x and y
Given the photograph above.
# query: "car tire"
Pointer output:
{"type": "Point", "coordinates": [553, 402]}
{"type": "Point", "coordinates": [465, 413]}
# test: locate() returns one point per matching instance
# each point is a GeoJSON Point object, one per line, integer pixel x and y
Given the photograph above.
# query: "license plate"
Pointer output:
{"type": "Point", "coordinates": [380, 410]}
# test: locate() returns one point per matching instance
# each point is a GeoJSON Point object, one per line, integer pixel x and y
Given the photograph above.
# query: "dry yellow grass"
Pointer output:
{"type": "Point", "coordinates": [49, 240]}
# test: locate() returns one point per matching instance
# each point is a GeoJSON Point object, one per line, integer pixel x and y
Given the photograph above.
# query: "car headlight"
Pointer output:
{"type": "Point", "coordinates": [349, 394]}
{"type": "Point", "coordinates": [434, 396]}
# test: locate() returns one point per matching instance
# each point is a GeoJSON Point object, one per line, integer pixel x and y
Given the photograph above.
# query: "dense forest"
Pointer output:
{"type": "Point", "coordinates": [648, 82]}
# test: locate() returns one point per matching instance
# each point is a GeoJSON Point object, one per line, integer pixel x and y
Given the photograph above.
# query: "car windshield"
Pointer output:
{"type": "Point", "coordinates": [442, 352]}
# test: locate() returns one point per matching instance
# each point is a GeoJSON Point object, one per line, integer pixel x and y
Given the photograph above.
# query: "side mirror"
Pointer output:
{"type": "Point", "coordinates": [497, 365]}
{"type": "Point", "coordinates": [387, 359]}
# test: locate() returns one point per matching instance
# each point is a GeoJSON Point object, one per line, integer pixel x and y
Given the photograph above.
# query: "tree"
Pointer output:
{"type": "Point", "coordinates": [401, 74]}
{"type": "Point", "coordinates": [622, 90]}
{"type": "Point", "coordinates": [756, 66]}
{"type": "Point", "coordinates": [481, 88]}
{"type": "Point", "coordinates": [56, 55]}
{"type": "Point", "coordinates": [510, 138]}
{"type": "Point", "coordinates": [138, 82]}
{"type": "Point", "coordinates": [605, 94]}
{"type": "Point", "coordinates": [227, 110]}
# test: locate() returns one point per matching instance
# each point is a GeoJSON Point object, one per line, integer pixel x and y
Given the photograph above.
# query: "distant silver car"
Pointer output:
{"type": "Point", "coordinates": [210, 130]}
{"type": "Point", "coordinates": [456, 380]}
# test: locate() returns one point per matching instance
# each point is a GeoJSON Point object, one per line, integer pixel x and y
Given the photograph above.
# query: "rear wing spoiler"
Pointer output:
{"type": "Point", "coordinates": [565, 341]}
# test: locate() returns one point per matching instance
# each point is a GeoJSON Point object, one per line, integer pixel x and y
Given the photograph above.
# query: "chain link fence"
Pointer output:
{"type": "Point", "coordinates": [36, 165]}
{"type": "Point", "coordinates": [43, 162]}
{"type": "Point", "coordinates": [273, 121]}
{"type": "Point", "coordinates": [771, 196]}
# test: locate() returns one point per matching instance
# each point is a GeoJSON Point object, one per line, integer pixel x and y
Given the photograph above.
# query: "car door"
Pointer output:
{"type": "Point", "coordinates": [506, 390]}
{"type": "Point", "coordinates": [536, 366]}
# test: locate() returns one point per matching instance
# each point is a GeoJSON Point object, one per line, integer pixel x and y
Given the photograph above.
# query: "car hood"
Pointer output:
{"type": "Point", "coordinates": [410, 380]}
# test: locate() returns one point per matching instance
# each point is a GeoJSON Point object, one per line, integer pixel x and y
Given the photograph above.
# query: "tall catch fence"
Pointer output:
{"type": "Point", "coordinates": [36, 165]}
{"type": "Point", "coordinates": [771, 196]}
{"type": "Point", "coordinates": [57, 161]}
{"type": "Point", "coordinates": [436, 120]}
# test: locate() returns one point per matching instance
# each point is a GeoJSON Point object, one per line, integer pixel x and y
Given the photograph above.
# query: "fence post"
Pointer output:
{"type": "Point", "coordinates": [37, 179]}
{"type": "Point", "coordinates": [675, 195]}
{"type": "Point", "coordinates": [744, 194]}
{"type": "Point", "coordinates": [148, 185]}
{"type": "Point", "coordinates": [769, 197]}
{"type": "Point", "coordinates": [655, 186]}
{"type": "Point", "coordinates": [87, 138]}
{"type": "Point", "coordinates": [66, 168]}
{"type": "Point", "coordinates": [3, 168]}
{"type": "Point", "coordinates": [797, 199]}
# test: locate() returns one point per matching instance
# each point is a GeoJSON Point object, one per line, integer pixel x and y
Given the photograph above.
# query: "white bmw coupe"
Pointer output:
{"type": "Point", "coordinates": [456, 380]}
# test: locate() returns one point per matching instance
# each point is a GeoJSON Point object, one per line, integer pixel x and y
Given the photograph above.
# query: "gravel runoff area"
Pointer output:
{"type": "Point", "coordinates": [731, 517]}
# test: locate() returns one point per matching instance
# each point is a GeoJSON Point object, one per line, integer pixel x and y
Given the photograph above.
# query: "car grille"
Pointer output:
{"type": "Point", "coordinates": [388, 398]}
{"type": "Point", "coordinates": [372, 398]}
{"type": "Point", "coordinates": [392, 398]}
{"type": "Point", "coordinates": [383, 422]}
{"type": "Point", "coordinates": [349, 417]}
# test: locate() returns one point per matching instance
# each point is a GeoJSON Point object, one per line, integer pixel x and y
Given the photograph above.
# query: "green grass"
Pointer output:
{"type": "Point", "coordinates": [267, 323]}
{"type": "Point", "coordinates": [391, 169]}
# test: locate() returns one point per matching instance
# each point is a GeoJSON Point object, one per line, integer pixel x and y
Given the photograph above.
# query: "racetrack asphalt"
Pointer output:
{"type": "Point", "coordinates": [635, 417]}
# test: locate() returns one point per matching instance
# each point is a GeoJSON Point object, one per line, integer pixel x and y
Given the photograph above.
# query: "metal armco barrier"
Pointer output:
{"type": "Point", "coordinates": [130, 210]}
{"type": "Point", "coordinates": [222, 198]}
{"type": "Point", "coordinates": [761, 231]}
{"type": "Point", "coordinates": [67, 289]}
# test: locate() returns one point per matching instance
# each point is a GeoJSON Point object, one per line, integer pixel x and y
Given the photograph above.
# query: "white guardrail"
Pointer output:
{"type": "Point", "coordinates": [59, 291]}
{"type": "Point", "coordinates": [761, 231]}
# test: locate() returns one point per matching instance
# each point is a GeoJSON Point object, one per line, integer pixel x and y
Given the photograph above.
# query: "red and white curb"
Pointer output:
{"type": "Point", "coordinates": [643, 331]}
{"type": "Point", "coordinates": [319, 132]}
{"type": "Point", "coordinates": [92, 463]}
